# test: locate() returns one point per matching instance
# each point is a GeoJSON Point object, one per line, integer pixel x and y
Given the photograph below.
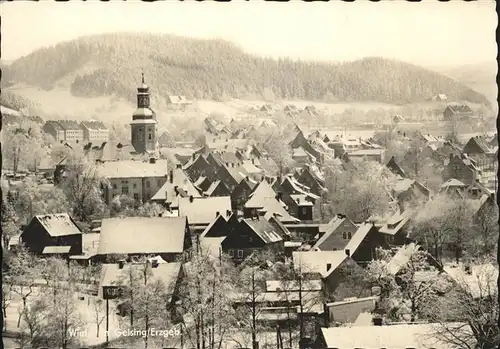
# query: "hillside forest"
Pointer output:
{"type": "Point", "coordinates": [110, 64]}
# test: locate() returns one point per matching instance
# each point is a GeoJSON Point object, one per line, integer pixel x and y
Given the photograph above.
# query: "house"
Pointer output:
{"type": "Point", "coordinates": [202, 184]}
{"type": "Point", "coordinates": [410, 192]}
{"type": "Point", "coordinates": [241, 194]}
{"type": "Point", "coordinates": [114, 277]}
{"type": "Point", "coordinates": [457, 112]}
{"type": "Point", "coordinates": [53, 234]}
{"type": "Point", "coordinates": [313, 180]}
{"type": "Point", "coordinates": [139, 180]}
{"type": "Point", "coordinates": [283, 307]}
{"type": "Point", "coordinates": [230, 176]}
{"type": "Point", "coordinates": [264, 200]}
{"type": "Point", "coordinates": [251, 235]}
{"type": "Point", "coordinates": [94, 131]}
{"type": "Point", "coordinates": [167, 237]}
{"type": "Point", "coordinates": [200, 212]}
{"type": "Point", "coordinates": [462, 168]}
{"type": "Point", "coordinates": [177, 185]}
{"type": "Point", "coordinates": [396, 229]}
{"type": "Point", "coordinates": [300, 206]}
{"type": "Point", "coordinates": [217, 188]}
{"type": "Point", "coordinates": [421, 336]}
{"type": "Point", "coordinates": [453, 186]}
{"type": "Point", "coordinates": [73, 132]}
{"type": "Point", "coordinates": [180, 101]}
{"type": "Point", "coordinates": [394, 167]}
{"type": "Point", "coordinates": [440, 97]}
{"type": "Point", "coordinates": [198, 167]}
{"type": "Point", "coordinates": [349, 310]}
{"type": "Point", "coordinates": [362, 247]}
{"type": "Point", "coordinates": [486, 159]}
{"type": "Point", "coordinates": [227, 158]}
{"type": "Point", "coordinates": [54, 129]}
{"type": "Point", "coordinates": [220, 226]}
{"type": "Point", "coordinates": [339, 231]}
{"type": "Point", "coordinates": [300, 141]}
{"type": "Point", "coordinates": [334, 268]}
{"type": "Point", "coordinates": [291, 108]}
{"type": "Point", "coordinates": [397, 119]}
{"type": "Point", "coordinates": [232, 144]}
{"type": "Point", "coordinates": [376, 155]}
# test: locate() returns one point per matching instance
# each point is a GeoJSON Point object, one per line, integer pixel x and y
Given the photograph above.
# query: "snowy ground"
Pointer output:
{"type": "Point", "coordinates": [86, 310]}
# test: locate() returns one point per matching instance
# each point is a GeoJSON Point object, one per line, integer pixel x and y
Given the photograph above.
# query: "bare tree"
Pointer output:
{"type": "Point", "coordinates": [148, 298]}
{"type": "Point", "coordinates": [444, 221]}
{"type": "Point", "coordinates": [82, 187]}
{"type": "Point", "coordinates": [361, 191]}
{"type": "Point", "coordinates": [470, 319]}
{"type": "Point", "coordinates": [22, 275]}
{"type": "Point", "coordinates": [251, 296]}
{"type": "Point", "coordinates": [205, 298]}
{"type": "Point", "coordinates": [298, 286]}
{"type": "Point", "coordinates": [99, 314]}
{"type": "Point", "coordinates": [403, 291]}
{"type": "Point", "coordinates": [7, 297]}
{"type": "Point", "coordinates": [486, 226]}
{"type": "Point", "coordinates": [10, 222]}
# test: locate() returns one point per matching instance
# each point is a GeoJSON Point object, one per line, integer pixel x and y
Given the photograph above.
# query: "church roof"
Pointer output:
{"type": "Point", "coordinates": [144, 113]}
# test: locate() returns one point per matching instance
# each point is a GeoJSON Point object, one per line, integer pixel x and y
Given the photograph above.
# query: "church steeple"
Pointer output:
{"type": "Point", "coordinates": [143, 94]}
{"type": "Point", "coordinates": [143, 125]}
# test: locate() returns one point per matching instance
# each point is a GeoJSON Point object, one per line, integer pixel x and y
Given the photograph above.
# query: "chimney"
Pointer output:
{"type": "Point", "coordinates": [176, 189]}
{"type": "Point", "coordinates": [121, 264]}
{"type": "Point", "coordinates": [194, 156]}
{"type": "Point", "coordinates": [377, 321]}
{"type": "Point", "coordinates": [228, 213]}
{"type": "Point", "coordinates": [152, 160]}
{"type": "Point", "coordinates": [217, 214]}
{"type": "Point", "coordinates": [247, 179]}
{"type": "Point", "coordinates": [328, 266]}
{"type": "Point", "coordinates": [348, 252]}
{"type": "Point", "coordinates": [191, 198]}
{"type": "Point", "coordinates": [154, 263]}
{"type": "Point", "coordinates": [178, 166]}
{"type": "Point", "coordinates": [171, 176]}
{"type": "Point", "coordinates": [253, 161]}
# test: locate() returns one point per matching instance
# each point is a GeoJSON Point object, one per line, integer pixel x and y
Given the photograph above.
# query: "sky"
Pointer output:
{"type": "Point", "coordinates": [427, 33]}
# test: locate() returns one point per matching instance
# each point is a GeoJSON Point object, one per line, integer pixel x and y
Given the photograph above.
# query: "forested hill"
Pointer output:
{"type": "Point", "coordinates": [212, 69]}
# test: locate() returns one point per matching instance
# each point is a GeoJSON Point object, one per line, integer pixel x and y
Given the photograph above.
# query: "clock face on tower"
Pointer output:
{"type": "Point", "coordinates": [142, 101]}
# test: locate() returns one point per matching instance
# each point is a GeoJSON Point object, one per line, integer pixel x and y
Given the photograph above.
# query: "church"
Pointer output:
{"type": "Point", "coordinates": [143, 125]}
{"type": "Point", "coordinates": [143, 142]}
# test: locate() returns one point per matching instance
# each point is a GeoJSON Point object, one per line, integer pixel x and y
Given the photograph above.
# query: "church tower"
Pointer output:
{"type": "Point", "coordinates": [143, 125]}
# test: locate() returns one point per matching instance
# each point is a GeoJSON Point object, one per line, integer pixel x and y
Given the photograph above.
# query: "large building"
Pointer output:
{"type": "Point", "coordinates": [143, 125]}
{"type": "Point", "coordinates": [95, 132]}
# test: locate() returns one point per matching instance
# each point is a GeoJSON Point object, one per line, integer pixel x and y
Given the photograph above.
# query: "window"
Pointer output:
{"type": "Point", "coordinates": [136, 196]}
{"type": "Point", "coordinates": [304, 210]}
{"type": "Point", "coordinates": [125, 190]}
{"type": "Point", "coordinates": [231, 253]}
{"type": "Point", "coordinates": [150, 136]}
{"type": "Point", "coordinates": [346, 235]}
{"type": "Point", "coordinates": [134, 185]}
{"type": "Point", "coordinates": [240, 253]}
{"type": "Point", "coordinates": [474, 193]}
{"type": "Point", "coordinates": [114, 186]}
